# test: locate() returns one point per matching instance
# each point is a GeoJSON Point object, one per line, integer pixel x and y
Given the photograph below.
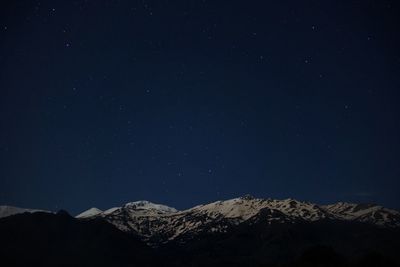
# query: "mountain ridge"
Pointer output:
{"type": "Point", "coordinates": [157, 223]}
{"type": "Point", "coordinates": [6, 210]}
{"type": "Point", "coordinates": [244, 231]}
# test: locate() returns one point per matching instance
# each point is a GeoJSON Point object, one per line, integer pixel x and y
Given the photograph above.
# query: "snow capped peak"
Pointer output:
{"type": "Point", "coordinates": [147, 205]}
{"type": "Point", "coordinates": [89, 213]}
{"type": "Point", "coordinates": [109, 211]}
{"type": "Point", "coordinates": [243, 208]}
{"type": "Point", "coordinates": [10, 210]}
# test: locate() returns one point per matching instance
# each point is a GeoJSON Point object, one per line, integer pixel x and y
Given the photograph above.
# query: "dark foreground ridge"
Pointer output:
{"type": "Point", "coordinates": [45, 239]}
{"type": "Point", "coordinates": [267, 238]}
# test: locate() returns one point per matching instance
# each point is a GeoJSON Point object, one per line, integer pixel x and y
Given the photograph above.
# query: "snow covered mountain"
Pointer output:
{"type": "Point", "coordinates": [268, 232]}
{"type": "Point", "coordinates": [156, 223]}
{"type": "Point", "coordinates": [10, 210]}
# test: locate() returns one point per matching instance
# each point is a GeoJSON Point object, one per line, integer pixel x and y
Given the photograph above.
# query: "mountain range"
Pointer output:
{"type": "Point", "coordinates": [244, 231]}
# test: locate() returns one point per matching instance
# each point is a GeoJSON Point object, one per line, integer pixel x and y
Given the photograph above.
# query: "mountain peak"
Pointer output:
{"type": "Point", "coordinates": [89, 213]}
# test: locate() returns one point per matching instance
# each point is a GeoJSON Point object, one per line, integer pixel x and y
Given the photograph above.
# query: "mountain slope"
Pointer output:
{"type": "Point", "coordinates": [89, 213]}
{"type": "Point", "coordinates": [44, 239]}
{"type": "Point", "coordinates": [10, 210]}
{"type": "Point", "coordinates": [255, 243]}
{"type": "Point", "coordinates": [364, 213]}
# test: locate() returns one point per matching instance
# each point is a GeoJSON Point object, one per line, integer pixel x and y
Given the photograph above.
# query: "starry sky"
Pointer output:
{"type": "Point", "coordinates": [187, 102]}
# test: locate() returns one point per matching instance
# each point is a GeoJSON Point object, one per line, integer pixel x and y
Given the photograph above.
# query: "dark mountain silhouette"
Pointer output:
{"type": "Point", "coordinates": [323, 243]}
{"type": "Point", "coordinates": [45, 239]}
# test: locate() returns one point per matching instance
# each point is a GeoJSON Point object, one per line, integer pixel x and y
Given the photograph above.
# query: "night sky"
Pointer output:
{"type": "Point", "coordinates": [187, 102]}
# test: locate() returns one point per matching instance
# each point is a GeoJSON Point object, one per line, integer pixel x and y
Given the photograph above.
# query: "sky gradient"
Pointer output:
{"type": "Point", "coordinates": [186, 102]}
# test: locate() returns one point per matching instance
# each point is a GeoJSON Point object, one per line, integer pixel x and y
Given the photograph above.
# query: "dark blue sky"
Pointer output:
{"type": "Point", "coordinates": [185, 102]}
